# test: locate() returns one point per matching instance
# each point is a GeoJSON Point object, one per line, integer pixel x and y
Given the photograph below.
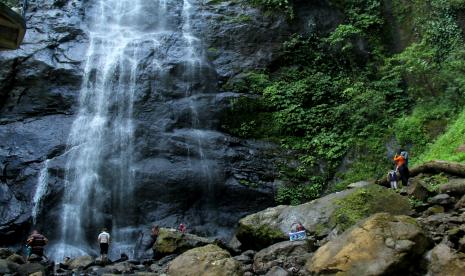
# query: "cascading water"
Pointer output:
{"type": "Point", "coordinates": [99, 177]}
{"type": "Point", "coordinates": [194, 60]}
{"type": "Point", "coordinates": [138, 46]}
{"type": "Point", "coordinates": [41, 190]}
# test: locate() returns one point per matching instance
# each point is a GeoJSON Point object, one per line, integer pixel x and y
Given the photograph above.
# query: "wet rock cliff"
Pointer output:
{"type": "Point", "coordinates": [39, 98]}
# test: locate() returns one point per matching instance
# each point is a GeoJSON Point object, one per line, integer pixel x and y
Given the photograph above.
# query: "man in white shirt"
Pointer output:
{"type": "Point", "coordinates": [104, 241]}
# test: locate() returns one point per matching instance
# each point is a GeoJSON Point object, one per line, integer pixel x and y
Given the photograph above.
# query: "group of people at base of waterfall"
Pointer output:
{"type": "Point", "coordinates": [36, 243]}
{"type": "Point", "coordinates": [401, 171]}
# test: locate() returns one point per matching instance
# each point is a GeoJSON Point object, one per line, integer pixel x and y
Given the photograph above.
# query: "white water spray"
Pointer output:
{"type": "Point", "coordinates": [41, 191]}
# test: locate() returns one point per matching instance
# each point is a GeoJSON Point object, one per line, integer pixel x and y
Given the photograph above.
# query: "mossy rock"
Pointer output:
{"type": "Point", "coordinates": [365, 202]}
{"type": "Point", "coordinates": [321, 216]}
{"type": "Point", "coordinates": [272, 225]}
{"type": "Point", "coordinates": [382, 244]}
{"type": "Point", "coordinates": [171, 241]}
{"type": "Point", "coordinates": [209, 260]}
{"type": "Point", "coordinates": [260, 236]}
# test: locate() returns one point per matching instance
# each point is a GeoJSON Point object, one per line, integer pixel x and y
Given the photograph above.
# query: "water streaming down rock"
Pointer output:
{"type": "Point", "coordinates": [99, 177]}
{"type": "Point", "coordinates": [99, 173]}
{"type": "Point", "coordinates": [194, 60]}
{"type": "Point", "coordinates": [183, 166]}
{"type": "Point", "coordinates": [41, 190]}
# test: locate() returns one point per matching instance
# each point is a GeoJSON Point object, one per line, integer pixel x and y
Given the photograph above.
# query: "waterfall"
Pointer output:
{"type": "Point", "coordinates": [41, 190]}
{"type": "Point", "coordinates": [99, 178]}
{"type": "Point", "coordinates": [194, 61]}
{"type": "Point", "coordinates": [125, 38]}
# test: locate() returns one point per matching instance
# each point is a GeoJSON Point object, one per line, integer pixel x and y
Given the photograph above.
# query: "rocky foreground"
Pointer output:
{"type": "Point", "coordinates": [364, 230]}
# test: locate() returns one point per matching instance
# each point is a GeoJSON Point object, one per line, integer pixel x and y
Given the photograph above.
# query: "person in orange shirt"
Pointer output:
{"type": "Point", "coordinates": [401, 167]}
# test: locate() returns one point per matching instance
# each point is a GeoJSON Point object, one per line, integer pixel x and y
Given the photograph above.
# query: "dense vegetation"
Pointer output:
{"type": "Point", "coordinates": [373, 81]}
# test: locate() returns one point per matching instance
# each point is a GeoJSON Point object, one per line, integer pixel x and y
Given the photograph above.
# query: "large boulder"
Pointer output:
{"type": "Point", "coordinates": [30, 268]}
{"type": "Point", "coordinates": [455, 186]}
{"type": "Point", "coordinates": [419, 189]}
{"type": "Point", "coordinates": [445, 262]}
{"type": "Point", "coordinates": [277, 271]}
{"type": "Point", "coordinates": [80, 262]}
{"type": "Point", "coordinates": [209, 260]}
{"type": "Point", "coordinates": [16, 258]}
{"type": "Point", "coordinates": [381, 245]}
{"type": "Point", "coordinates": [121, 268]}
{"type": "Point", "coordinates": [7, 267]}
{"type": "Point", "coordinates": [171, 241]}
{"type": "Point", "coordinates": [285, 254]}
{"type": "Point", "coordinates": [337, 211]}
{"type": "Point", "coordinates": [5, 253]}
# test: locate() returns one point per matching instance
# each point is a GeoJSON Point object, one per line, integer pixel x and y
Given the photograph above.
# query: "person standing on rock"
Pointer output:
{"type": "Point", "coordinates": [104, 241]}
{"type": "Point", "coordinates": [401, 167]}
{"type": "Point", "coordinates": [182, 228]}
{"type": "Point", "coordinates": [37, 243]}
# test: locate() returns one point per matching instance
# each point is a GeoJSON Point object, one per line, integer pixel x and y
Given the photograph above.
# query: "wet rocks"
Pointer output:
{"type": "Point", "coordinates": [380, 245]}
{"type": "Point", "coordinates": [209, 260]}
{"type": "Point", "coordinates": [16, 258]}
{"type": "Point", "coordinates": [287, 254]}
{"type": "Point", "coordinates": [7, 267]}
{"type": "Point", "coordinates": [171, 241]}
{"type": "Point", "coordinates": [442, 199]}
{"type": "Point", "coordinates": [320, 217]}
{"type": "Point", "coordinates": [80, 262]}
{"type": "Point", "coordinates": [278, 271]}
{"type": "Point", "coordinates": [39, 90]}
{"type": "Point", "coordinates": [418, 189]}
{"type": "Point", "coordinates": [272, 225]}
{"type": "Point", "coordinates": [5, 253]}
{"type": "Point", "coordinates": [161, 266]}
{"type": "Point", "coordinates": [455, 186]}
{"type": "Point", "coordinates": [444, 261]}
{"type": "Point", "coordinates": [120, 268]}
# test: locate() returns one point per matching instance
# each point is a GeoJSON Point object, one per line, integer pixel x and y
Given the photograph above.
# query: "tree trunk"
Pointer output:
{"type": "Point", "coordinates": [433, 167]}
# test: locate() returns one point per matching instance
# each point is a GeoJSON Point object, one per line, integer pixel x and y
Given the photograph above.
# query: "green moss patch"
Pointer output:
{"type": "Point", "coordinates": [258, 236]}
{"type": "Point", "coordinates": [368, 201]}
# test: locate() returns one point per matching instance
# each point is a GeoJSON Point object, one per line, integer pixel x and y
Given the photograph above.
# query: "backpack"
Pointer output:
{"type": "Point", "coordinates": [405, 155]}
{"type": "Point", "coordinates": [392, 176]}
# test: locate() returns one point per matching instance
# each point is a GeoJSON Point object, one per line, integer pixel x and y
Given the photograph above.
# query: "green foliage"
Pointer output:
{"type": "Point", "coordinates": [275, 6]}
{"type": "Point", "coordinates": [447, 146]}
{"type": "Point", "coordinates": [433, 68]}
{"type": "Point", "coordinates": [329, 102]}
{"type": "Point", "coordinates": [414, 202]}
{"type": "Point", "coordinates": [298, 194]}
{"type": "Point", "coordinates": [250, 83]}
{"type": "Point", "coordinates": [243, 18]}
{"type": "Point", "coordinates": [432, 183]}
{"type": "Point", "coordinates": [248, 117]}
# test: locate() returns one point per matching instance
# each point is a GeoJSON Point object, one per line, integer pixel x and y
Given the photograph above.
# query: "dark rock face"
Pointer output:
{"type": "Point", "coordinates": [39, 96]}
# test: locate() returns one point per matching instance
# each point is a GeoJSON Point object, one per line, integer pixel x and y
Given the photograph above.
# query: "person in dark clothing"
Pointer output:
{"type": "Point", "coordinates": [154, 233]}
{"type": "Point", "coordinates": [37, 243]}
{"type": "Point", "coordinates": [402, 168]}
{"type": "Point", "coordinates": [404, 174]}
